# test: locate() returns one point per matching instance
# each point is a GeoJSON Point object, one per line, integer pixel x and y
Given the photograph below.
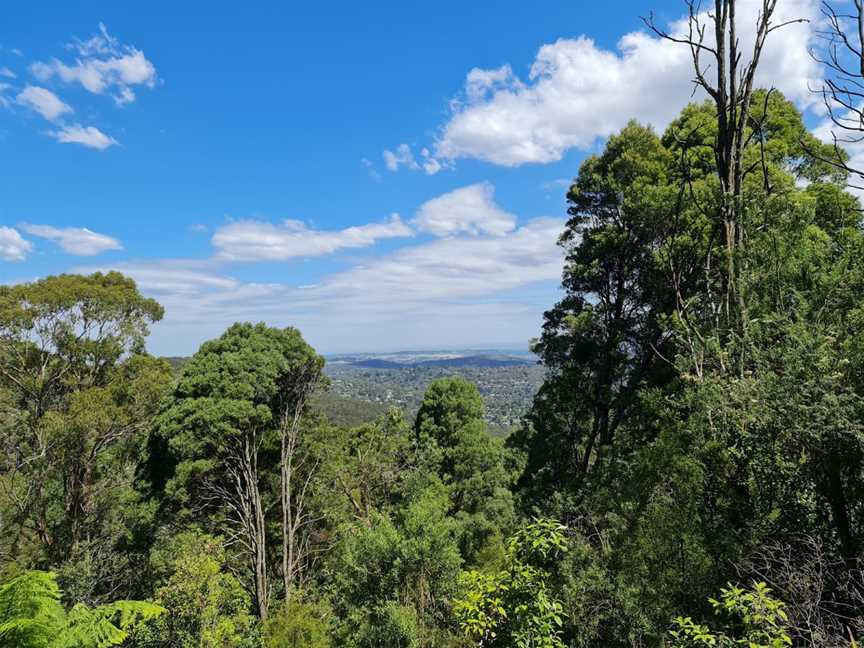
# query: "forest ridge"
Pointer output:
{"type": "Point", "coordinates": [689, 473]}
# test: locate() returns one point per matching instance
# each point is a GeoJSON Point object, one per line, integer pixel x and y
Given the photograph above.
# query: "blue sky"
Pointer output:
{"type": "Point", "coordinates": [383, 177]}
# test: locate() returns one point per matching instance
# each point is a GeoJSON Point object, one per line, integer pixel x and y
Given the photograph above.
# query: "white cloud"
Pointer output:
{"type": "Point", "coordinates": [13, 247]}
{"type": "Point", "coordinates": [79, 241]}
{"type": "Point", "coordinates": [469, 210]}
{"type": "Point", "coordinates": [177, 277]}
{"type": "Point", "coordinates": [479, 83]}
{"type": "Point", "coordinates": [5, 101]}
{"type": "Point", "coordinates": [577, 91]}
{"type": "Point", "coordinates": [430, 165]}
{"type": "Point", "coordinates": [480, 289]}
{"type": "Point", "coordinates": [447, 291]}
{"type": "Point", "coordinates": [402, 156]}
{"type": "Point", "coordinates": [43, 101]}
{"type": "Point", "coordinates": [451, 269]}
{"type": "Point", "coordinates": [103, 64]}
{"type": "Point", "coordinates": [6, 72]}
{"type": "Point", "coordinates": [88, 136]}
{"type": "Point", "coordinates": [250, 240]}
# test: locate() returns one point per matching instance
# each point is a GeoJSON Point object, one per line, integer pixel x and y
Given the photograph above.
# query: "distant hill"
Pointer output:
{"type": "Point", "coordinates": [443, 359]}
{"type": "Point", "coordinates": [461, 361]}
{"type": "Point", "coordinates": [406, 361]}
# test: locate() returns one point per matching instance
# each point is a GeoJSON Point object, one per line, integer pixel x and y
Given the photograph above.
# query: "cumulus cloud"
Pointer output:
{"type": "Point", "coordinates": [102, 65]}
{"type": "Point", "coordinates": [577, 91]}
{"type": "Point", "coordinates": [88, 136]}
{"type": "Point", "coordinates": [43, 101]}
{"type": "Point", "coordinates": [13, 247]}
{"type": "Point", "coordinates": [79, 241]}
{"type": "Point", "coordinates": [251, 240]}
{"type": "Point", "coordinates": [469, 210]}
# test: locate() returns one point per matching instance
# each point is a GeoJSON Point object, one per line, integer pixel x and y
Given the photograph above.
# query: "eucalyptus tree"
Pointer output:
{"type": "Point", "coordinates": [713, 39]}
{"type": "Point", "coordinates": [232, 426]}
{"type": "Point", "coordinates": [78, 394]}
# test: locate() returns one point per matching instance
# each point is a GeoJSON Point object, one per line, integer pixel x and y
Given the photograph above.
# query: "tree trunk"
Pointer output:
{"type": "Point", "coordinates": [247, 504]}
{"type": "Point", "coordinates": [293, 499]}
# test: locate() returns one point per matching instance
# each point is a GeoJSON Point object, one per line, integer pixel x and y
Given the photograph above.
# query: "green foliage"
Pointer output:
{"type": "Point", "coordinates": [298, 624]}
{"type": "Point", "coordinates": [753, 619]}
{"type": "Point", "coordinates": [207, 607]}
{"type": "Point", "coordinates": [233, 389]}
{"type": "Point", "coordinates": [80, 394]}
{"type": "Point", "coordinates": [516, 606]}
{"type": "Point", "coordinates": [31, 616]}
{"type": "Point", "coordinates": [681, 438]}
{"type": "Point", "coordinates": [603, 341]}
{"type": "Point", "coordinates": [363, 466]}
{"type": "Point", "coordinates": [393, 576]}
{"type": "Point", "coordinates": [678, 431]}
{"type": "Point", "coordinates": [452, 442]}
{"type": "Point", "coordinates": [30, 610]}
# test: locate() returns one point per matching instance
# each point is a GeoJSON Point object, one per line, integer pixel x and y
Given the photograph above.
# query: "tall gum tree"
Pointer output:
{"type": "Point", "coordinates": [78, 395]}
{"type": "Point", "coordinates": [233, 426]}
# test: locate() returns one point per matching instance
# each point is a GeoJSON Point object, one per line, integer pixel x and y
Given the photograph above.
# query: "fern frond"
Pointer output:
{"type": "Point", "coordinates": [106, 625]}
{"type": "Point", "coordinates": [30, 610]}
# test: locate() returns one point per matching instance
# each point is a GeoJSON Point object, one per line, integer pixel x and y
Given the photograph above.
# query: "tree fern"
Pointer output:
{"type": "Point", "coordinates": [31, 616]}
{"type": "Point", "coordinates": [30, 612]}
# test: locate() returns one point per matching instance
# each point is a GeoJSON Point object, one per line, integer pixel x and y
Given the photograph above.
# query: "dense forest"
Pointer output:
{"type": "Point", "coordinates": [690, 473]}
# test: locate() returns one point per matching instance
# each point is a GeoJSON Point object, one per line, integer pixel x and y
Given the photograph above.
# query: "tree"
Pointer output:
{"type": "Point", "coordinates": [298, 624]}
{"type": "Point", "coordinates": [732, 93]}
{"type": "Point", "coordinates": [363, 468]}
{"type": "Point", "coordinates": [78, 395]}
{"type": "Point", "coordinates": [646, 434]}
{"type": "Point", "coordinates": [515, 606]}
{"type": "Point", "coordinates": [392, 577]}
{"type": "Point", "coordinates": [31, 616]}
{"type": "Point", "coordinates": [206, 606]}
{"type": "Point", "coordinates": [453, 443]}
{"type": "Point", "coordinates": [306, 376]}
{"type": "Point", "coordinates": [604, 341]}
{"type": "Point", "coordinates": [238, 395]}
